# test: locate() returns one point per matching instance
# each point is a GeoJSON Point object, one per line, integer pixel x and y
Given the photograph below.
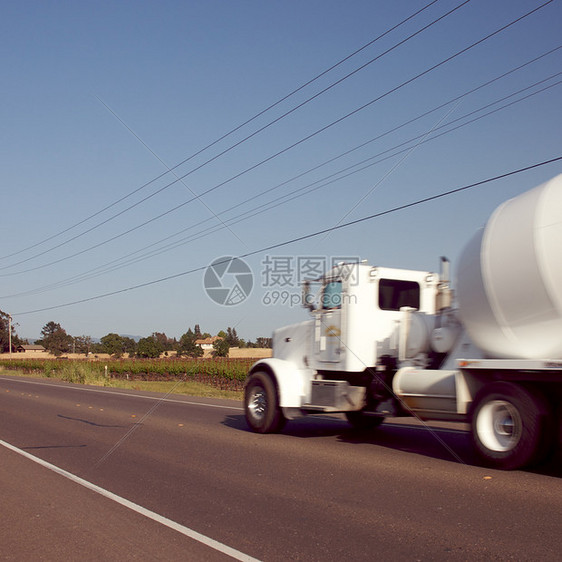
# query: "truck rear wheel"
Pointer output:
{"type": "Point", "coordinates": [261, 404]}
{"type": "Point", "coordinates": [510, 426]}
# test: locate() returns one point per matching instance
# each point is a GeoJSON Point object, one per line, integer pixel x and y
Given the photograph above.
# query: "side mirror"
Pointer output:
{"type": "Point", "coordinates": [308, 297]}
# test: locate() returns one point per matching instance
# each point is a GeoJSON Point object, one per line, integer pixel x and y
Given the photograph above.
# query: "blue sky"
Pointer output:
{"type": "Point", "coordinates": [101, 98]}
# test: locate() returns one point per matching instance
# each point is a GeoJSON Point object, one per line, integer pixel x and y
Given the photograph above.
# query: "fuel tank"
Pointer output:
{"type": "Point", "coordinates": [509, 278]}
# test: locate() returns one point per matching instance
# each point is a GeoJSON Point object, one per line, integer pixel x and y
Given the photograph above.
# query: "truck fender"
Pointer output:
{"type": "Point", "coordinates": [292, 383]}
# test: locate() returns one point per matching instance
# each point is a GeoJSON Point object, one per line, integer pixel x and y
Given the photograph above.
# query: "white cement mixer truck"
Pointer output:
{"type": "Point", "coordinates": [387, 342]}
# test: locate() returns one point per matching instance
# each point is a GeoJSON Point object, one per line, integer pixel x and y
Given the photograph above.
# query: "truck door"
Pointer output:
{"type": "Point", "coordinates": [328, 328]}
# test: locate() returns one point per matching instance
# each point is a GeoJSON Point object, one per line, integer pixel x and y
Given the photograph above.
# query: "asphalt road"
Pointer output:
{"type": "Point", "coordinates": [318, 491]}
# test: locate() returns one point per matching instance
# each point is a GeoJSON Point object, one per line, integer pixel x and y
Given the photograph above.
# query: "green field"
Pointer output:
{"type": "Point", "coordinates": [195, 377]}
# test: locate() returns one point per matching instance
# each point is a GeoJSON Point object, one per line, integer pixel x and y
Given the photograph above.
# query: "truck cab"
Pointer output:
{"type": "Point", "coordinates": [366, 323]}
{"type": "Point", "coordinates": [358, 312]}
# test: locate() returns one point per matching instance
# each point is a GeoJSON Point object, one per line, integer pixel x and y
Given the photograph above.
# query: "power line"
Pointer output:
{"type": "Point", "coordinates": [392, 130]}
{"type": "Point", "coordinates": [310, 188]}
{"type": "Point", "coordinates": [165, 165]}
{"type": "Point", "coordinates": [198, 197]}
{"type": "Point", "coordinates": [304, 237]}
{"type": "Point", "coordinates": [299, 192]}
{"type": "Point", "coordinates": [200, 151]}
{"type": "Point", "coordinates": [286, 149]}
{"type": "Point", "coordinates": [305, 190]}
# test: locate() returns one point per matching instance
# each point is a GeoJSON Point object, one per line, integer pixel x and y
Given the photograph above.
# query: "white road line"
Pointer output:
{"type": "Point", "coordinates": [207, 541]}
{"type": "Point", "coordinates": [389, 423]}
{"type": "Point", "coordinates": [99, 390]}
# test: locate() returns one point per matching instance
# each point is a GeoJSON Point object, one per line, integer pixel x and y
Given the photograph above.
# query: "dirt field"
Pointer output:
{"type": "Point", "coordinates": [235, 353]}
{"type": "Point", "coordinates": [251, 352]}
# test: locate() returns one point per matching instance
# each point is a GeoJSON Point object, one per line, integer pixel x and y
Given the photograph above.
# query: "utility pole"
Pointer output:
{"type": "Point", "coordinates": [10, 334]}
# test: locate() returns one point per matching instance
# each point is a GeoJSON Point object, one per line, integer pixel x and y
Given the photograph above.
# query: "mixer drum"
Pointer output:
{"type": "Point", "coordinates": [509, 279]}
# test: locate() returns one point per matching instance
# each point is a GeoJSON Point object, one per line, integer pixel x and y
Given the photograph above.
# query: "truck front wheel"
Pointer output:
{"type": "Point", "coordinates": [261, 404]}
{"type": "Point", "coordinates": [509, 426]}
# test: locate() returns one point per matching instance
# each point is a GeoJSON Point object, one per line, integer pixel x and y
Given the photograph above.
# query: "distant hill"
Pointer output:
{"type": "Point", "coordinates": [94, 340]}
{"type": "Point", "coordinates": [136, 338]}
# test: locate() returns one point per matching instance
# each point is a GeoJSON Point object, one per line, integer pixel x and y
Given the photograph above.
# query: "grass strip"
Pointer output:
{"type": "Point", "coordinates": [77, 375]}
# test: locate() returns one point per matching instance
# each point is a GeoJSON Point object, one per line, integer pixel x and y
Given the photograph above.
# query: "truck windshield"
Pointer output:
{"type": "Point", "coordinates": [394, 294]}
{"type": "Point", "coordinates": [331, 295]}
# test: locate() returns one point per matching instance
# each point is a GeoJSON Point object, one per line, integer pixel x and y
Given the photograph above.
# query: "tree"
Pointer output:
{"type": "Point", "coordinates": [113, 344]}
{"type": "Point", "coordinates": [129, 345]}
{"type": "Point", "coordinates": [83, 344]}
{"type": "Point", "coordinates": [167, 344]}
{"type": "Point", "coordinates": [263, 342]}
{"type": "Point", "coordinates": [187, 345]}
{"type": "Point", "coordinates": [232, 337]}
{"type": "Point", "coordinates": [149, 348]}
{"type": "Point", "coordinates": [221, 348]}
{"type": "Point", "coordinates": [197, 331]}
{"type": "Point", "coordinates": [55, 339]}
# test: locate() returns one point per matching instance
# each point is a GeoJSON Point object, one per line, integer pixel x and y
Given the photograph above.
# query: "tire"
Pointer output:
{"type": "Point", "coordinates": [360, 420]}
{"type": "Point", "coordinates": [510, 426]}
{"type": "Point", "coordinates": [261, 404]}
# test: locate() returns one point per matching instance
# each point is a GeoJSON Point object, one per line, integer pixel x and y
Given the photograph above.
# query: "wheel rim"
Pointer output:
{"type": "Point", "coordinates": [499, 426]}
{"type": "Point", "coordinates": [257, 403]}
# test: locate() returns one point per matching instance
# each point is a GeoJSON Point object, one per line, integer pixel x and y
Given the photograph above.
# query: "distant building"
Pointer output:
{"type": "Point", "coordinates": [31, 348]}
{"type": "Point", "coordinates": [207, 343]}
